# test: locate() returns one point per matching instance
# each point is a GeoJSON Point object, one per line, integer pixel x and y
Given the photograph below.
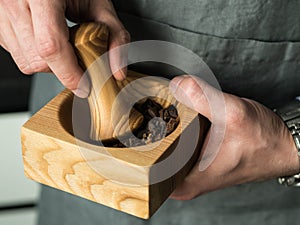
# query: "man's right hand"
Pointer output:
{"type": "Point", "coordinates": [36, 35]}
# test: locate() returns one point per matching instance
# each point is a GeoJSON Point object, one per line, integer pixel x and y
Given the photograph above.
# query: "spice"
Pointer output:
{"type": "Point", "coordinates": [158, 123]}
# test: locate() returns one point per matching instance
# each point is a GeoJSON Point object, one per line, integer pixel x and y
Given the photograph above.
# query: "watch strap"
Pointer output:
{"type": "Point", "coordinates": [290, 114]}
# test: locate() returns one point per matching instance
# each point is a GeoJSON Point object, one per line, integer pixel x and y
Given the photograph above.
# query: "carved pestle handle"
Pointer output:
{"type": "Point", "coordinates": [90, 42]}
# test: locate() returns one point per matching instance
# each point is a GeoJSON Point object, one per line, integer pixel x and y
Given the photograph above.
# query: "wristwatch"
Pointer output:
{"type": "Point", "coordinates": [290, 114]}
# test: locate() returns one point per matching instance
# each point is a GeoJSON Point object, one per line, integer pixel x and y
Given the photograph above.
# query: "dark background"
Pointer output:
{"type": "Point", "coordinates": [14, 86]}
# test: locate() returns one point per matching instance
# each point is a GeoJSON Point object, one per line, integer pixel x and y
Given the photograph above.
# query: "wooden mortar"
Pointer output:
{"type": "Point", "coordinates": [133, 180]}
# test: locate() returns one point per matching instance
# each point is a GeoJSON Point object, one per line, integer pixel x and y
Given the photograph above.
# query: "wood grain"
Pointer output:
{"type": "Point", "coordinates": [90, 42]}
{"type": "Point", "coordinates": [126, 179]}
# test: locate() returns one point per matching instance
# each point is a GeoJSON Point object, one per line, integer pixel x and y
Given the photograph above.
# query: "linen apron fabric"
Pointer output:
{"type": "Point", "coordinates": [253, 49]}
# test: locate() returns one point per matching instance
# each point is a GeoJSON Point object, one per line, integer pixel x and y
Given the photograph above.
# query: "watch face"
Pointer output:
{"type": "Point", "coordinates": [293, 114]}
{"type": "Point", "coordinates": [289, 111]}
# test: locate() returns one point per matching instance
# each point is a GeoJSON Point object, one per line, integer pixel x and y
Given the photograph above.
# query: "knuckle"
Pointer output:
{"type": "Point", "coordinates": [25, 68]}
{"type": "Point", "coordinates": [192, 89]}
{"type": "Point", "coordinates": [192, 84]}
{"type": "Point", "coordinates": [38, 66]}
{"type": "Point", "coordinates": [48, 48]}
{"type": "Point", "coordinates": [189, 92]}
{"type": "Point", "coordinates": [69, 81]}
{"type": "Point", "coordinates": [32, 67]}
{"type": "Point", "coordinates": [21, 63]}
{"type": "Point", "coordinates": [125, 36]}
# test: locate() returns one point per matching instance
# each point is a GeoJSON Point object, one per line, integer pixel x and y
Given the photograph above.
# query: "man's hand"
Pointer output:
{"type": "Point", "coordinates": [36, 35]}
{"type": "Point", "coordinates": [256, 145]}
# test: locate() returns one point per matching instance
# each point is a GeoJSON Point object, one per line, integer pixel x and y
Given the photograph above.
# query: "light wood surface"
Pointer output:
{"type": "Point", "coordinates": [133, 180]}
{"type": "Point", "coordinates": [90, 42]}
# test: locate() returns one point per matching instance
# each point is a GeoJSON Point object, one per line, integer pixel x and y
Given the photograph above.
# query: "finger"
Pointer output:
{"type": "Point", "coordinates": [10, 43]}
{"type": "Point", "coordinates": [197, 183]}
{"type": "Point", "coordinates": [181, 192]}
{"type": "Point", "coordinates": [119, 36]}
{"type": "Point", "coordinates": [51, 35]}
{"type": "Point", "coordinates": [23, 27]}
{"type": "Point", "coordinates": [118, 55]}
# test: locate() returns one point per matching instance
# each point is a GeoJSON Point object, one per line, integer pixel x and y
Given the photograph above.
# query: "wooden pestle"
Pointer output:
{"type": "Point", "coordinates": [90, 42]}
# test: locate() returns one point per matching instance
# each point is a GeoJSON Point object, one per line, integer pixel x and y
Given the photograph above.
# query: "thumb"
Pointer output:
{"type": "Point", "coordinates": [196, 94]}
{"type": "Point", "coordinates": [209, 102]}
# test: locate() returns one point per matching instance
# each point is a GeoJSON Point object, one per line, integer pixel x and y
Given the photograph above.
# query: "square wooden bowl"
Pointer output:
{"type": "Point", "coordinates": [133, 180]}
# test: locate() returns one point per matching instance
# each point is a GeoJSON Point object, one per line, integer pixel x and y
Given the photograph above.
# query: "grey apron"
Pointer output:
{"type": "Point", "coordinates": [252, 47]}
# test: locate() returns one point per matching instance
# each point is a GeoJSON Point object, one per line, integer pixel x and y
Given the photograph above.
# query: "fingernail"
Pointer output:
{"type": "Point", "coordinates": [84, 87]}
{"type": "Point", "coordinates": [81, 93]}
{"type": "Point", "coordinates": [122, 74]}
{"type": "Point", "coordinates": [177, 193]}
{"type": "Point", "coordinates": [174, 84]}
